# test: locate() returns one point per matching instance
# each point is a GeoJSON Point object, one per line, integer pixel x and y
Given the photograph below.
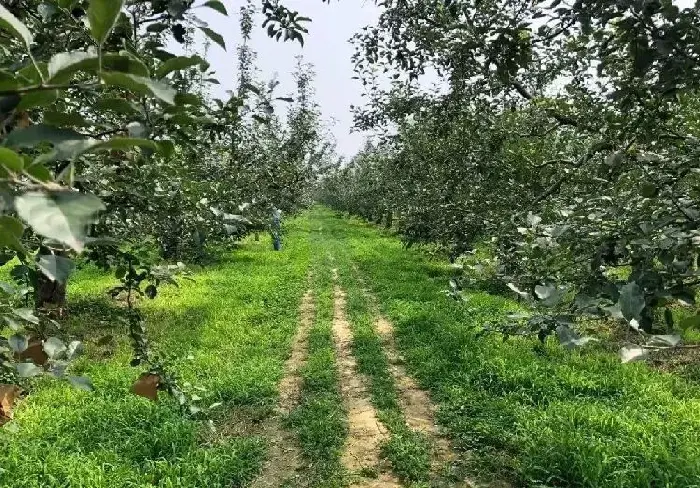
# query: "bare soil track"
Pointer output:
{"type": "Point", "coordinates": [365, 432]}
{"type": "Point", "coordinates": [284, 460]}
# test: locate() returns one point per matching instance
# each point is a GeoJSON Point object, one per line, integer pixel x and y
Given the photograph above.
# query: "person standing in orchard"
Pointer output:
{"type": "Point", "coordinates": [276, 229]}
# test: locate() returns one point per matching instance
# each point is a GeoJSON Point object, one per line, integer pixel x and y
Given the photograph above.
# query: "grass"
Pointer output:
{"type": "Point", "coordinates": [536, 416]}
{"type": "Point", "coordinates": [407, 451]}
{"type": "Point", "coordinates": [227, 335]}
{"type": "Point", "coordinates": [320, 421]}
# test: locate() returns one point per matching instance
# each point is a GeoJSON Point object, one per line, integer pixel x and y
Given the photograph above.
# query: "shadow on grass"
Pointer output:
{"type": "Point", "coordinates": [91, 319]}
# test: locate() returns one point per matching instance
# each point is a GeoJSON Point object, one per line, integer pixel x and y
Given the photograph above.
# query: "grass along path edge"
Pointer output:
{"type": "Point", "coordinates": [283, 460]}
{"type": "Point", "coordinates": [532, 415]}
{"type": "Point", "coordinates": [319, 420]}
{"type": "Point", "coordinates": [226, 334]}
{"type": "Point", "coordinates": [366, 435]}
{"type": "Point", "coordinates": [418, 409]}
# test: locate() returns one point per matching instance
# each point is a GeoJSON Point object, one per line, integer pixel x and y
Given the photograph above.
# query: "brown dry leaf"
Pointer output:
{"type": "Point", "coordinates": [23, 120]}
{"type": "Point", "coordinates": [147, 386]}
{"type": "Point", "coordinates": [35, 352]}
{"type": "Point", "coordinates": [8, 395]}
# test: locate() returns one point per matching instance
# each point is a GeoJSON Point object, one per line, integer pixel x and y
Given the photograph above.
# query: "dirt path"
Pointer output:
{"type": "Point", "coordinates": [415, 402]}
{"type": "Point", "coordinates": [365, 432]}
{"type": "Point", "coordinates": [284, 459]}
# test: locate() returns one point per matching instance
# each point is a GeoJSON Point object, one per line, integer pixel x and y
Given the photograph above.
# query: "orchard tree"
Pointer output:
{"type": "Point", "coordinates": [566, 142]}
{"type": "Point", "coordinates": [101, 135]}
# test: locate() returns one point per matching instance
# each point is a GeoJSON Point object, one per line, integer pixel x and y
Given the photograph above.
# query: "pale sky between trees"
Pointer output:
{"type": "Point", "coordinates": [326, 47]}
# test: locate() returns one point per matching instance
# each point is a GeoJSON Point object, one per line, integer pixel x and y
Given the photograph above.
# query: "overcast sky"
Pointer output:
{"type": "Point", "coordinates": [326, 47]}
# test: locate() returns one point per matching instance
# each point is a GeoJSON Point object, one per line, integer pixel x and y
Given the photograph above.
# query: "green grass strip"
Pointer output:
{"type": "Point", "coordinates": [408, 451]}
{"type": "Point", "coordinates": [539, 416]}
{"type": "Point", "coordinates": [320, 421]}
{"type": "Point", "coordinates": [226, 334]}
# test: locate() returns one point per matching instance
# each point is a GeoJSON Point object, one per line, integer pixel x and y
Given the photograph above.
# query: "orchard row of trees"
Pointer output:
{"type": "Point", "coordinates": [562, 148]}
{"type": "Point", "coordinates": [112, 147]}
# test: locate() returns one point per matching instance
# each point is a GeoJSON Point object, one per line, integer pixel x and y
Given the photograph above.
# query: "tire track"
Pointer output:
{"type": "Point", "coordinates": [284, 460]}
{"type": "Point", "coordinates": [365, 432]}
{"type": "Point", "coordinates": [418, 409]}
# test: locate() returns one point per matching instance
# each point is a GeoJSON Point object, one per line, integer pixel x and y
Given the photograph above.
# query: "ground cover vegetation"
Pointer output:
{"type": "Point", "coordinates": [545, 201]}
{"type": "Point", "coordinates": [562, 151]}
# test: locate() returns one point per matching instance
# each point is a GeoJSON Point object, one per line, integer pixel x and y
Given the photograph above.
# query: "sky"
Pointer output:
{"type": "Point", "coordinates": [326, 47]}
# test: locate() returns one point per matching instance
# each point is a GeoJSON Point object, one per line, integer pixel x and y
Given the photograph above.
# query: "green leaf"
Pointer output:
{"type": "Point", "coordinates": [11, 160]}
{"type": "Point", "coordinates": [157, 27]}
{"type": "Point", "coordinates": [38, 171]}
{"type": "Point", "coordinates": [26, 314]}
{"type": "Point", "coordinates": [166, 148]}
{"type": "Point", "coordinates": [125, 63]}
{"type": "Point", "coordinates": [56, 268]}
{"type": "Point", "coordinates": [33, 74]}
{"type": "Point", "coordinates": [151, 291]}
{"type": "Point", "coordinates": [12, 323]}
{"type": "Point", "coordinates": [216, 5]}
{"type": "Point", "coordinates": [631, 301]}
{"type": "Point", "coordinates": [187, 99]}
{"type": "Point", "coordinates": [251, 87]}
{"type": "Point", "coordinates": [648, 190]}
{"type": "Point", "coordinates": [11, 231]}
{"type": "Point", "coordinates": [18, 343]}
{"type": "Point", "coordinates": [28, 370]}
{"type": "Point", "coordinates": [60, 215]}
{"type": "Point", "coordinates": [122, 144]}
{"type": "Point", "coordinates": [63, 66]}
{"type": "Point", "coordinates": [40, 98]}
{"type": "Point", "coordinates": [81, 383]}
{"type": "Point", "coordinates": [11, 24]}
{"type": "Point", "coordinates": [142, 85]}
{"type": "Point", "coordinates": [35, 134]}
{"type": "Point", "coordinates": [178, 63]}
{"type": "Point", "coordinates": [103, 15]}
{"type": "Point", "coordinates": [59, 119]}
{"type": "Point", "coordinates": [54, 347]}
{"type": "Point", "coordinates": [690, 322]}
{"type": "Point", "coordinates": [118, 105]}
{"type": "Point", "coordinates": [214, 36]}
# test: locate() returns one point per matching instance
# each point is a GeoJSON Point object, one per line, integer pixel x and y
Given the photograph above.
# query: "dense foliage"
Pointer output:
{"type": "Point", "coordinates": [564, 147]}
{"type": "Point", "coordinates": [112, 147]}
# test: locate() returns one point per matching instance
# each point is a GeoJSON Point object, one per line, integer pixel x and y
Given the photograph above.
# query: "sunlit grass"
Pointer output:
{"type": "Point", "coordinates": [226, 334]}
{"type": "Point", "coordinates": [536, 416]}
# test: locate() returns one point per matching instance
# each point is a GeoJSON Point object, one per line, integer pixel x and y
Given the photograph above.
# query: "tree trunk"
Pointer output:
{"type": "Point", "coordinates": [51, 295]}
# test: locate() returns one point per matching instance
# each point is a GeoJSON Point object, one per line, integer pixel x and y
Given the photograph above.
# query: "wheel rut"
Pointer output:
{"type": "Point", "coordinates": [284, 460]}
{"type": "Point", "coordinates": [418, 409]}
{"type": "Point", "coordinates": [365, 432]}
